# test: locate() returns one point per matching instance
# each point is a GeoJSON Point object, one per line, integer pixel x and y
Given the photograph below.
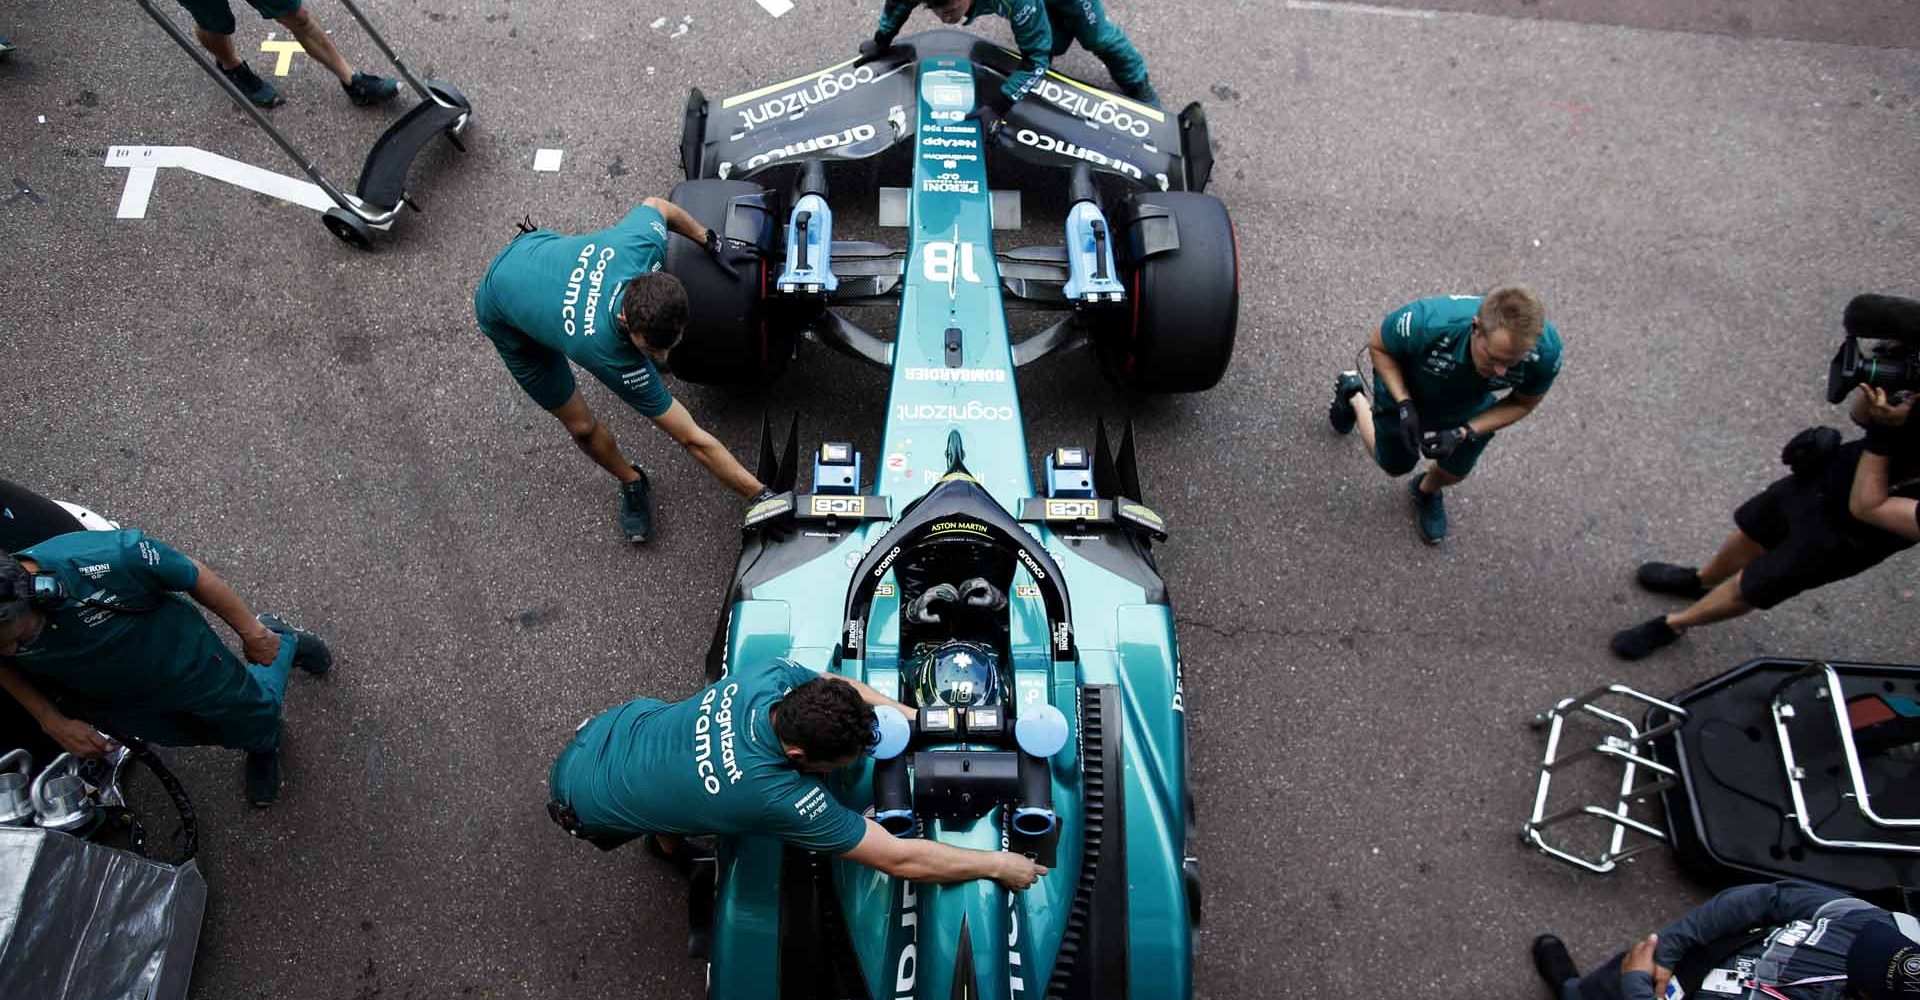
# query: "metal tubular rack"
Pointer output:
{"type": "Point", "coordinates": [1631, 748]}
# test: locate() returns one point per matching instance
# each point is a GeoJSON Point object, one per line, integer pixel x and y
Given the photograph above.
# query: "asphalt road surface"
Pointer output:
{"type": "Point", "coordinates": [1696, 189]}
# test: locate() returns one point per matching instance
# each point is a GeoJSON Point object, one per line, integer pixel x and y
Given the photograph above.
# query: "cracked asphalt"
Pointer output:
{"type": "Point", "coordinates": [1696, 190]}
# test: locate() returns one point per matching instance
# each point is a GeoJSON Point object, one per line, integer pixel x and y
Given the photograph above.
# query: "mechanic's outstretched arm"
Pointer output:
{"type": "Point", "coordinates": [75, 737]}
{"type": "Point", "coordinates": [919, 860]}
{"type": "Point", "coordinates": [707, 450]}
{"type": "Point", "coordinates": [1033, 34]}
{"type": "Point", "coordinates": [256, 640]}
{"type": "Point", "coordinates": [678, 220]}
{"type": "Point", "coordinates": [893, 16]}
{"type": "Point", "coordinates": [872, 695]}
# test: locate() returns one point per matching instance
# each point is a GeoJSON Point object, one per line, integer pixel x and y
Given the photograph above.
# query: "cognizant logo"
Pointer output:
{"type": "Point", "coordinates": [972, 409]}
{"type": "Point", "coordinates": [592, 271]}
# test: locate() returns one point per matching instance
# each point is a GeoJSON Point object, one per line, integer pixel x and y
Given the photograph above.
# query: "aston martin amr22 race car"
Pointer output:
{"type": "Point", "coordinates": [1030, 628]}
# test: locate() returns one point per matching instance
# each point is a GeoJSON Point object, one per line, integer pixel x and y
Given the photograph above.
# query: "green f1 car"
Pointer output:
{"type": "Point", "coordinates": [1030, 628]}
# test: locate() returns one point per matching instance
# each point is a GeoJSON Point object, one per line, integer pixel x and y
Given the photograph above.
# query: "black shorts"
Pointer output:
{"type": "Point", "coordinates": [1808, 544]}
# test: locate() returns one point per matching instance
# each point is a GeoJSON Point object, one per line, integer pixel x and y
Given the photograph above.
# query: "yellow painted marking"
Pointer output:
{"type": "Point", "coordinates": [763, 91]}
{"type": "Point", "coordinates": [285, 50]}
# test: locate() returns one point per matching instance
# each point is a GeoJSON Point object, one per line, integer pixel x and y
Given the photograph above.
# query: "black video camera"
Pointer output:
{"type": "Point", "coordinates": [1894, 363]}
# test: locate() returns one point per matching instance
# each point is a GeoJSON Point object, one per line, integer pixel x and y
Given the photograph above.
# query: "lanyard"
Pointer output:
{"type": "Point", "coordinates": [1773, 989]}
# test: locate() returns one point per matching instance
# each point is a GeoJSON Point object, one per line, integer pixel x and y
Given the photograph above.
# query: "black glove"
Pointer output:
{"type": "Point", "coordinates": [729, 253]}
{"type": "Point", "coordinates": [873, 48]}
{"type": "Point", "coordinates": [922, 612]}
{"type": "Point", "coordinates": [980, 595]}
{"type": "Point", "coordinates": [1809, 452]}
{"type": "Point", "coordinates": [766, 493]}
{"type": "Point", "coordinates": [1409, 426]}
{"type": "Point", "coordinates": [1440, 444]}
{"type": "Point", "coordinates": [990, 113]}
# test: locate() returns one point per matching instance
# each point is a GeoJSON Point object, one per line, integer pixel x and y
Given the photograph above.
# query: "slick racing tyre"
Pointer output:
{"type": "Point", "coordinates": [1175, 332]}
{"type": "Point", "coordinates": [731, 338]}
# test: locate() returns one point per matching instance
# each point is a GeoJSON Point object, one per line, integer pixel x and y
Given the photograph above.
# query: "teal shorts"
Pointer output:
{"type": "Point", "coordinates": [216, 16]}
{"type": "Point", "coordinates": [1393, 456]}
{"type": "Point", "coordinates": [543, 372]}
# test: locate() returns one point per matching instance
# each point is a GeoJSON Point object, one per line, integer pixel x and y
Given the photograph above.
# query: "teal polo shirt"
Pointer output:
{"type": "Point", "coordinates": [708, 765]}
{"type": "Point", "coordinates": [548, 296]}
{"type": "Point", "coordinates": [1430, 339]}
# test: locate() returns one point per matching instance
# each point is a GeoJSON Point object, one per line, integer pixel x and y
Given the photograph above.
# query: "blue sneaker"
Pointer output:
{"type": "Point", "coordinates": [369, 89]}
{"type": "Point", "coordinates": [1430, 509]}
{"type": "Point", "coordinates": [310, 652]}
{"type": "Point", "coordinates": [1340, 414]}
{"type": "Point", "coordinates": [636, 508]}
{"type": "Point", "coordinates": [254, 89]}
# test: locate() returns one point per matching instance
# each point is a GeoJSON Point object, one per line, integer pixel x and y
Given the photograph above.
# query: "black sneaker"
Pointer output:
{"type": "Point", "coordinates": [1667, 578]}
{"type": "Point", "coordinates": [1340, 413]}
{"type": "Point", "coordinates": [259, 91]}
{"type": "Point", "coordinates": [1551, 960]}
{"type": "Point", "coordinates": [1430, 511]}
{"type": "Point", "coordinates": [1640, 641]}
{"type": "Point", "coordinates": [310, 653]}
{"type": "Point", "coordinates": [263, 777]}
{"type": "Point", "coordinates": [636, 508]}
{"type": "Point", "coordinates": [369, 89]}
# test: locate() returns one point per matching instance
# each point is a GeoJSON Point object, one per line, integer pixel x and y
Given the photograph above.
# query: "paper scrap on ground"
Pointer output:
{"type": "Point", "coordinates": [547, 159]}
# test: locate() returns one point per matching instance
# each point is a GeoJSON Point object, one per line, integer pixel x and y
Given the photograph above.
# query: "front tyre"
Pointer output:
{"type": "Point", "coordinates": [1175, 333]}
{"type": "Point", "coordinates": [731, 339]}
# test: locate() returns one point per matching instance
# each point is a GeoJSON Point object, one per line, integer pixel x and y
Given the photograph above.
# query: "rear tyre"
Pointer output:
{"type": "Point", "coordinates": [1175, 333]}
{"type": "Point", "coordinates": [348, 228]}
{"type": "Point", "coordinates": [731, 337]}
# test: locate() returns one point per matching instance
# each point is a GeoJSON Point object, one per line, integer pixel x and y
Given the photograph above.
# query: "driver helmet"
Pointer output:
{"type": "Point", "coordinates": [959, 673]}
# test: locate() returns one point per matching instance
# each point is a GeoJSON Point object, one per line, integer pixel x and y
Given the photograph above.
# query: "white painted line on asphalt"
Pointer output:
{"type": "Point", "coordinates": [775, 7]}
{"type": "Point", "coordinates": [1360, 8]}
{"type": "Point", "coordinates": [142, 162]}
{"type": "Point", "coordinates": [547, 159]}
{"type": "Point", "coordinates": [133, 198]}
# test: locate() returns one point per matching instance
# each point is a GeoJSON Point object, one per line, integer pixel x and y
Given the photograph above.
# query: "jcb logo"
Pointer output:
{"type": "Point", "coordinates": [837, 506]}
{"type": "Point", "coordinates": [1072, 510]}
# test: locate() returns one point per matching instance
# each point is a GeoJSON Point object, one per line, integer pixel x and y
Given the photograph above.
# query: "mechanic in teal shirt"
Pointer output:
{"type": "Point", "coordinates": [603, 301]}
{"type": "Point", "coordinates": [93, 632]}
{"type": "Point", "coordinates": [1438, 364]}
{"type": "Point", "coordinates": [744, 756]}
{"type": "Point", "coordinates": [1042, 30]}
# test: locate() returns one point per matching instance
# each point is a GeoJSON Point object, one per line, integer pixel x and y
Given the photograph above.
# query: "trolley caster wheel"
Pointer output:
{"type": "Point", "coordinates": [348, 228]}
{"type": "Point", "coordinates": [1539, 721]}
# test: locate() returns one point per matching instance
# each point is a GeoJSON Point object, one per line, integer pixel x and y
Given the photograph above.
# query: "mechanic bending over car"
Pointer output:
{"type": "Point", "coordinates": [744, 756]}
{"type": "Point", "coordinates": [1043, 31]}
{"type": "Point", "coordinates": [92, 634]}
{"type": "Point", "coordinates": [1786, 941]}
{"type": "Point", "coordinates": [1835, 516]}
{"type": "Point", "coordinates": [213, 25]}
{"type": "Point", "coordinates": [1437, 363]}
{"type": "Point", "coordinates": [602, 300]}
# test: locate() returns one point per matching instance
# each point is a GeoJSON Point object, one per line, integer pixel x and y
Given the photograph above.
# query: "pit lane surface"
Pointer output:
{"type": "Point", "coordinates": [327, 429]}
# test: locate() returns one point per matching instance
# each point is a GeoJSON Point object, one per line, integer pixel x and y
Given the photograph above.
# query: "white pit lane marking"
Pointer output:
{"type": "Point", "coordinates": [547, 160]}
{"type": "Point", "coordinates": [1359, 8]}
{"type": "Point", "coordinates": [775, 7]}
{"type": "Point", "coordinates": [143, 164]}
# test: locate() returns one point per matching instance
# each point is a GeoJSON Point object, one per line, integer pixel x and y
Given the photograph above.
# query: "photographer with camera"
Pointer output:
{"type": "Point", "coordinates": [1437, 363]}
{"type": "Point", "coordinates": [1843, 509]}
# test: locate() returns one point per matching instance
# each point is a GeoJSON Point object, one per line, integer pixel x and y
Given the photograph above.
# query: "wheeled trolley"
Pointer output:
{"type": "Point", "coordinates": [382, 191]}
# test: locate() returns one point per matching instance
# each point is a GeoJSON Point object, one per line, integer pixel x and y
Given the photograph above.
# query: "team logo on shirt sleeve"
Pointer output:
{"type": "Point", "coordinates": [813, 804]}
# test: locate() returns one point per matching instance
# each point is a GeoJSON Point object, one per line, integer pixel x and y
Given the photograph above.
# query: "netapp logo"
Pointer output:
{"type": "Point", "coordinates": [858, 133]}
{"type": "Point", "coordinates": [1099, 112]}
{"type": "Point", "coordinates": [1049, 144]}
{"type": "Point", "coordinates": [941, 140]}
{"type": "Point", "coordinates": [956, 375]}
